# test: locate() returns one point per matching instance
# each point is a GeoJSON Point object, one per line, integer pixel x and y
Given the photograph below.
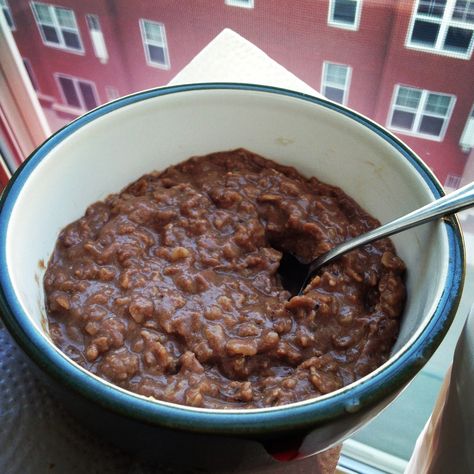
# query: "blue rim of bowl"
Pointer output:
{"type": "Point", "coordinates": [361, 396]}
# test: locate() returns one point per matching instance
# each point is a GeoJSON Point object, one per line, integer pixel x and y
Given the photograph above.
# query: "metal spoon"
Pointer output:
{"type": "Point", "coordinates": [295, 275]}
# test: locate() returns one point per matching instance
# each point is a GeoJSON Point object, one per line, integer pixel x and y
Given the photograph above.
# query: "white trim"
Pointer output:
{"type": "Point", "coordinates": [375, 458]}
{"type": "Point", "coordinates": [238, 3]}
{"type": "Point", "coordinates": [145, 43]}
{"type": "Point", "coordinates": [75, 81]}
{"type": "Point", "coordinates": [347, 82]}
{"type": "Point", "coordinates": [464, 142]}
{"type": "Point", "coordinates": [20, 104]}
{"type": "Point", "coordinates": [419, 114]}
{"type": "Point", "coordinates": [445, 22]}
{"type": "Point", "coordinates": [339, 24]}
{"type": "Point", "coordinates": [58, 28]}
{"type": "Point", "coordinates": [97, 38]}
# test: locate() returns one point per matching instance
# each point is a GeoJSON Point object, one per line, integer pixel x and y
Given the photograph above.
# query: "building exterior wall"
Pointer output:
{"type": "Point", "coordinates": [294, 33]}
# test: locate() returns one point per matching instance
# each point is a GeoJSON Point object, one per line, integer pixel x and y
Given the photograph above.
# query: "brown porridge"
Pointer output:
{"type": "Point", "coordinates": [170, 288]}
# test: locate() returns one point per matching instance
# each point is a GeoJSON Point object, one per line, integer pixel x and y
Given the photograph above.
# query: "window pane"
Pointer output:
{"type": "Point", "coordinates": [334, 94]}
{"type": "Point", "coordinates": [153, 32]}
{"type": "Point", "coordinates": [432, 7]}
{"type": "Point", "coordinates": [88, 95]}
{"type": "Point", "coordinates": [401, 119]}
{"type": "Point", "coordinates": [69, 92]}
{"type": "Point", "coordinates": [408, 97]}
{"type": "Point", "coordinates": [345, 11]}
{"type": "Point", "coordinates": [438, 104]}
{"type": "Point", "coordinates": [425, 32]}
{"type": "Point", "coordinates": [71, 40]}
{"type": "Point", "coordinates": [336, 74]}
{"type": "Point", "coordinates": [157, 54]}
{"type": "Point", "coordinates": [65, 17]}
{"type": "Point", "coordinates": [458, 39]}
{"type": "Point", "coordinates": [464, 11]}
{"type": "Point", "coordinates": [93, 22]}
{"type": "Point", "coordinates": [44, 14]}
{"type": "Point", "coordinates": [50, 34]}
{"type": "Point", "coordinates": [431, 126]}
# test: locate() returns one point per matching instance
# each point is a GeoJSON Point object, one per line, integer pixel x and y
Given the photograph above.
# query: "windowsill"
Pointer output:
{"type": "Point", "coordinates": [165, 67]}
{"type": "Point", "coordinates": [415, 135]}
{"type": "Point", "coordinates": [439, 52]}
{"type": "Point", "coordinates": [79, 52]}
{"type": "Point", "coordinates": [68, 110]}
{"type": "Point", "coordinates": [343, 26]}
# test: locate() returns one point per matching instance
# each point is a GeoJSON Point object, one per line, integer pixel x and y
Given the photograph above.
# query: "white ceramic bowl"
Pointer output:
{"type": "Point", "coordinates": [106, 149]}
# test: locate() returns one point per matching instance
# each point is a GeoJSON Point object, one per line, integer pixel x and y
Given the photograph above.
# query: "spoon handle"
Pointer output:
{"type": "Point", "coordinates": [454, 202]}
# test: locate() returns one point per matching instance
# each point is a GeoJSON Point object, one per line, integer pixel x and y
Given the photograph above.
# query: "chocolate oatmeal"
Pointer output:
{"type": "Point", "coordinates": [170, 288]}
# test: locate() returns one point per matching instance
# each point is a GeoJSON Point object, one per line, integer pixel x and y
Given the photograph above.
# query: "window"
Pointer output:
{"type": "Point", "coordinates": [58, 27]}
{"type": "Point", "coordinates": [111, 92]}
{"type": "Point", "coordinates": [345, 13]}
{"type": "Point", "coordinates": [97, 38]}
{"type": "Point", "coordinates": [77, 93]}
{"type": "Point", "coordinates": [452, 181]}
{"type": "Point", "coordinates": [154, 42]}
{"type": "Point", "coordinates": [240, 3]}
{"type": "Point", "coordinates": [443, 26]}
{"type": "Point", "coordinates": [335, 82]}
{"type": "Point", "coordinates": [31, 74]}
{"type": "Point", "coordinates": [420, 112]}
{"type": "Point", "coordinates": [8, 14]}
{"type": "Point", "coordinates": [467, 138]}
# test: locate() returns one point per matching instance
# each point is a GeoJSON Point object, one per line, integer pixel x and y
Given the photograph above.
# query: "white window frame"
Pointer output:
{"type": "Point", "coordinates": [445, 22]}
{"type": "Point", "coordinates": [452, 181]}
{"type": "Point", "coordinates": [347, 84]}
{"type": "Point", "coordinates": [464, 142]}
{"type": "Point", "coordinates": [112, 93]}
{"type": "Point", "coordinates": [62, 44]}
{"type": "Point", "coordinates": [97, 38]}
{"type": "Point", "coordinates": [239, 3]}
{"type": "Point", "coordinates": [420, 113]}
{"type": "Point", "coordinates": [83, 107]}
{"type": "Point", "coordinates": [145, 42]}
{"type": "Point", "coordinates": [339, 24]}
{"type": "Point", "coordinates": [5, 6]}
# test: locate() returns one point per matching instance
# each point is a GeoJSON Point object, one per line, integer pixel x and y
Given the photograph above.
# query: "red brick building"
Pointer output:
{"type": "Point", "coordinates": [406, 64]}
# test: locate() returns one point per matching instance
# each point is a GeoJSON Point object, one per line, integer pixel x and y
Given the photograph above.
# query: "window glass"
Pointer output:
{"type": "Point", "coordinates": [344, 13]}
{"type": "Point", "coordinates": [57, 26]}
{"type": "Point", "coordinates": [44, 14]}
{"type": "Point", "coordinates": [65, 18]}
{"type": "Point", "coordinates": [433, 8]}
{"type": "Point", "coordinates": [407, 65]}
{"type": "Point", "coordinates": [444, 26]}
{"type": "Point", "coordinates": [335, 83]}
{"type": "Point", "coordinates": [421, 112]}
{"type": "Point", "coordinates": [69, 91]}
{"type": "Point", "coordinates": [154, 39]}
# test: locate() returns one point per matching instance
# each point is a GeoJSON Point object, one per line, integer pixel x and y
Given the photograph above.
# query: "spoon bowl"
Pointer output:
{"type": "Point", "coordinates": [295, 275]}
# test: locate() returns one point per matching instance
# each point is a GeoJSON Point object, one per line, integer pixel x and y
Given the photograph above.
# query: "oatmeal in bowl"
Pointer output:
{"type": "Point", "coordinates": [161, 320]}
{"type": "Point", "coordinates": [170, 288]}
